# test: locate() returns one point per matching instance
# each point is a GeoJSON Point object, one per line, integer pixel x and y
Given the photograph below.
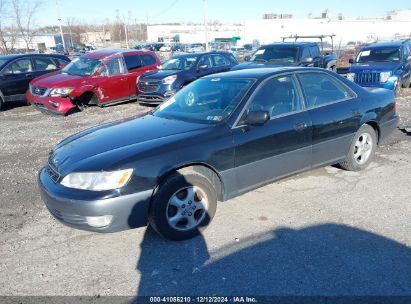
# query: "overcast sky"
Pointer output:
{"type": "Point", "coordinates": [226, 11]}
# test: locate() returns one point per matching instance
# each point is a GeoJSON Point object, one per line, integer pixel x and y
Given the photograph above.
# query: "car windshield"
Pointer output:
{"type": "Point", "coordinates": [82, 66]}
{"type": "Point", "coordinates": [207, 100]}
{"type": "Point", "coordinates": [180, 63]}
{"type": "Point", "coordinates": [276, 54]}
{"type": "Point", "coordinates": [379, 55]}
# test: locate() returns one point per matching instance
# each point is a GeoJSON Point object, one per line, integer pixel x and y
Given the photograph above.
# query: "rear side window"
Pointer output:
{"type": "Point", "coordinates": [148, 60]}
{"type": "Point", "coordinates": [315, 51]}
{"type": "Point", "coordinates": [306, 53]}
{"type": "Point", "coordinates": [18, 67]}
{"type": "Point", "coordinates": [132, 62]}
{"type": "Point", "coordinates": [219, 60]}
{"type": "Point", "coordinates": [205, 60]}
{"type": "Point", "coordinates": [320, 89]}
{"type": "Point", "coordinates": [45, 64]}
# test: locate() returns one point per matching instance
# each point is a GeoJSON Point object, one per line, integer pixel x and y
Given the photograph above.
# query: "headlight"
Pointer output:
{"type": "Point", "coordinates": [97, 181]}
{"type": "Point", "coordinates": [169, 79]}
{"type": "Point", "coordinates": [384, 76]}
{"type": "Point", "coordinates": [61, 92]}
{"type": "Point", "coordinates": [351, 76]}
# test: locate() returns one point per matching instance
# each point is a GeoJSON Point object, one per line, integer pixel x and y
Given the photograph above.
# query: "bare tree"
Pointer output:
{"type": "Point", "coordinates": [24, 13]}
{"type": "Point", "coordinates": [7, 30]}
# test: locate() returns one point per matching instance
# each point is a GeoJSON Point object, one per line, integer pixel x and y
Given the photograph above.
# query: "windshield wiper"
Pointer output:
{"type": "Point", "coordinates": [260, 59]}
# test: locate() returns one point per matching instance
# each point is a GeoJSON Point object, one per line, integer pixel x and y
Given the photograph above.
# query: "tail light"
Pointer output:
{"type": "Point", "coordinates": [395, 106]}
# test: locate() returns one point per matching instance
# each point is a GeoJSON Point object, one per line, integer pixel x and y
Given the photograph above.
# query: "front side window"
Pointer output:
{"type": "Point", "coordinates": [204, 61]}
{"type": "Point", "coordinates": [277, 96]}
{"type": "Point", "coordinates": [207, 100]}
{"type": "Point", "coordinates": [306, 53]}
{"type": "Point", "coordinates": [114, 66]}
{"type": "Point", "coordinates": [218, 60]}
{"type": "Point", "coordinates": [321, 89]}
{"type": "Point", "coordinates": [19, 67]}
{"type": "Point", "coordinates": [44, 64]}
{"type": "Point", "coordinates": [276, 55]}
{"type": "Point", "coordinates": [379, 55]}
{"type": "Point", "coordinates": [180, 63]}
{"type": "Point", "coordinates": [82, 66]}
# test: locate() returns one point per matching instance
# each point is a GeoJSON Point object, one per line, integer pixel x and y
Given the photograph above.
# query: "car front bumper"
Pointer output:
{"type": "Point", "coordinates": [50, 105]}
{"type": "Point", "coordinates": [126, 211]}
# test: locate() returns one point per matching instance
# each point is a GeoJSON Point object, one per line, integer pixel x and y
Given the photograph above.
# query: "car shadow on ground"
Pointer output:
{"type": "Point", "coordinates": [13, 104]}
{"type": "Point", "coordinates": [326, 260]}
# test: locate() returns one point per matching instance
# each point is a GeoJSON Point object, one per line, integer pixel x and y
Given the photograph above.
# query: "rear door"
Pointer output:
{"type": "Point", "coordinates": [113, 82]}
{"type": "Point", "coordinates": [137, 65]}
{"type": "Point", "coordinates": [335, 116]}
{"type": "Point", "coordinates": [279, 147]}
{"type": "Point", "coordinates": [16, 77]}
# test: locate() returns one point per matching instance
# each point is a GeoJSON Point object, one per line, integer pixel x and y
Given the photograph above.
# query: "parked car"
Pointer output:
{"type": "Point", "coordinates": [218, 137]}
{"type": "Point", "coordinates": [100, 78]}
{"type": "Point", "coordinates": [383, 65]}
{"type": "Point", "coordinates": [16, 72]}
{"type": "Point", "coordinates": [157, 86]}
{"type": "Point", "coordinates": [305, 54]}
{"type": "Point", "coordinates": [195, 48]}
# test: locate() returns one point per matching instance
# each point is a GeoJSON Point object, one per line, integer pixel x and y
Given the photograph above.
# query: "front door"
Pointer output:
{"type": "Point", "coordinates": [279, 147]}
{"type": "Point", "coordinates": [113, 83]}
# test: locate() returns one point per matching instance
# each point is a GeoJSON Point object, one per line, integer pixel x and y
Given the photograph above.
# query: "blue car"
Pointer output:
{"type": "Point", "coordinates": [383, 65]}
{"type": "Point", "coordinates": [157, 86]}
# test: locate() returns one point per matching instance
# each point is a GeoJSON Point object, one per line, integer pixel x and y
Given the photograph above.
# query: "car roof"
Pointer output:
{"type": "Point", "coordinates": [260, 73]}
{"type": "Point", "coordinates": [285, 44]}
{"type": "Point", "coordinates": [391, 44]}
{"type": "Point", "coordinates": [100, 54]}
{"type": "Point", "coordinates": [16, 56]}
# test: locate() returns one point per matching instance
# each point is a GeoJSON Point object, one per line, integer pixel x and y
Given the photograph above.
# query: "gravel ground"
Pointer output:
{"type": "Point", "coordinates": [324, 232]}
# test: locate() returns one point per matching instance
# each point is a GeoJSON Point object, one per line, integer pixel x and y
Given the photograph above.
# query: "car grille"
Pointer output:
{"type": "Point", "coordinates": [39, 91]}
{"type": "Point", "coordinates": [367, 77]}
{"type": "Point", "coordinates": [52, 172]}
{"type": "Point", "coordinates": [148, 86]}
{"type": "Point", "coordinates": [155, 99]}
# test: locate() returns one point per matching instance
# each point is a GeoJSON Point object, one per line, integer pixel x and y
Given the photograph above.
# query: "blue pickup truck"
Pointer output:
{"type": "Point", "coordinates": [305, 54]}
{"type": "Point", "coordinates": [383, 65]}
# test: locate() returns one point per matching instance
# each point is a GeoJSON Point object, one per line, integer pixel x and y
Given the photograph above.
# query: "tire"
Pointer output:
{"type": "Point", "coordinates": [183, 206]}
{"type": "Point", "coordinates": [362, 149]}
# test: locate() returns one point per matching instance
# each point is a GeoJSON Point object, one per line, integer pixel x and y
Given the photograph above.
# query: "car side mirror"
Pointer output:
{"type": "Point", "coordinates": [256, 118]}
{"type": "Point", "coordinates": [203, 67]}
{"type": "Point", "coordinates": [247, 58]}
{"type": "Point", "coordinates": [351, 60]}
{"type": "Point", "coordinates": [307, 60]}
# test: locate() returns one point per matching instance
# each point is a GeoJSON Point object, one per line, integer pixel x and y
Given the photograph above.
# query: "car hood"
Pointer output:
{"type": "Point", "coordinates": [374, 67]}
{"type": "Point", "coordinates": [254, 65]}
{"type": "Point", "coordinates": [160, 74]}
{"type": "Point", "coordinates": [112, 142]}
{"type": "Point", "coordinates": [58, 80]}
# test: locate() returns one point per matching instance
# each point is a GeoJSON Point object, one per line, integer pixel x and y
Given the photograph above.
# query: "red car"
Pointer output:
{"type": "Point", "coordinates": [101, 78]}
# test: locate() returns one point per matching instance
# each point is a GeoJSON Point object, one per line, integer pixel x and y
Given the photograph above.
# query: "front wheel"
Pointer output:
{"type": "Point", "coordinates": [362, 149]}
{"type": "Point", "coordinates": [183, 206]}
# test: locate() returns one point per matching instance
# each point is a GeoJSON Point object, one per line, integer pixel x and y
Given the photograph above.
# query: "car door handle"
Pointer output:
{"type": "Point", "coordinates": [300, 126]}
{"type": "Point", "coordinates": [123, 78]}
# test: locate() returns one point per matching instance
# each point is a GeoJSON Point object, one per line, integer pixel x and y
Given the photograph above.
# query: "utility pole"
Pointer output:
{"type": "Point", "coordinates": [61, 28]}
{"type": "Point", "coordinates": [125, 32]}
{"type": "Point", "coordinates": [205, 11]}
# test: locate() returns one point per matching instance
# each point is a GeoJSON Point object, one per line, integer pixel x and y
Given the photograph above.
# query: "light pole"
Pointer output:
{"type": "Point", "coordinates": [61, 28]}
{"type": "Point", "coordinates": [205, 8]}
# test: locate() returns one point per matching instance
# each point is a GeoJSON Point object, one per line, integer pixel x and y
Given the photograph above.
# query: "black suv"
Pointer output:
{"type": "Point", "coordinates": [16, 72]}
{"type": "Point", "coordinates": [157, 86]}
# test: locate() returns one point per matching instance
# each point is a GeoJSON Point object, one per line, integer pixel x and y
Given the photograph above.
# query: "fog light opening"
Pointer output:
{"type": "Point", "coordinates": [54, 103]}
{"type": "Point", "coordinates": [99, 221]}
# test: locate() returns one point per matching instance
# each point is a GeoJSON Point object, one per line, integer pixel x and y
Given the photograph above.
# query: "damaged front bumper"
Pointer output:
{"type": "Point", "coordinates": [50, 105]}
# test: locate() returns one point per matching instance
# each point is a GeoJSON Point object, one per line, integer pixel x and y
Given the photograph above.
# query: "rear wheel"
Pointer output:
{"type": "Point", "coordinates": [183, 206]}
{"type": "Point", "coordinates": [362, 149]}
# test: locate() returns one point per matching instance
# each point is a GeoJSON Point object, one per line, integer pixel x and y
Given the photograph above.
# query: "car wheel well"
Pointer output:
{"type": "Point", "coordinates": [376, 128]}
{"type": "Point", "coordinates": [202, 169]}
{"type": "Point", "coordinates": [88, 98]}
